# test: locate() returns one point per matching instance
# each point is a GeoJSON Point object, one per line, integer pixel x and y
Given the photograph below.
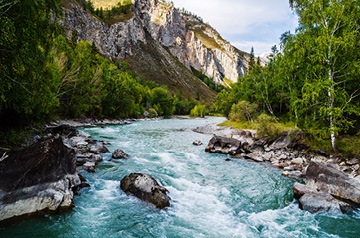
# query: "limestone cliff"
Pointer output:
{"type": "Point", "coordinates": [170, 38]}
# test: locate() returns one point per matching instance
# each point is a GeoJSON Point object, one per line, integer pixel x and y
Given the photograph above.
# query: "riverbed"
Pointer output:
{"type": "Point", "coordinates": [211, 196]}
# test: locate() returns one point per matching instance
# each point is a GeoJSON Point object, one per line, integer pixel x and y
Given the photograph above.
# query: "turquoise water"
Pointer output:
{"type": "Point", "coordinates": [211, 197]}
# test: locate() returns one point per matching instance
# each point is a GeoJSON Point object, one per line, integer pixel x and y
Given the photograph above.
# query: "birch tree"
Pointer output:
{"type": "Point", "coordinates": [327, 46]}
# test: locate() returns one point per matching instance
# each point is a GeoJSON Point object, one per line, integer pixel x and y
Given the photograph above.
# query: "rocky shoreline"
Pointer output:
{"type": "Point", "coordinates": [332, 183]}
{"type": "Point", "coordinates": [46, 176]}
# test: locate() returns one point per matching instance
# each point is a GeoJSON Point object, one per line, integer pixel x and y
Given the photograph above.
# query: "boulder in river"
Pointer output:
{"type": "Point", "coordinates": [146, 188]}
{"type": "Point", "coordinates": [314, 201]}
{"type": "Point", "coordinates": [327, 189]}
{"type": "Point", "coordinates": [327, 178]}
{"type": "Point", "coordinates": [197, 143]}
{"type": "Point", "coordinates": [119, 154]}
{"type": "Point", "coordinates": [39, 178]}
{"type": "Point", "coordinates": [224, 145]}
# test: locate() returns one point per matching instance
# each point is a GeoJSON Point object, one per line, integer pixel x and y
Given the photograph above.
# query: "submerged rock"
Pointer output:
{"type": "Point", "coordinates": [146, 188]}
{"type": "Point", "coordinates": [40, 178]}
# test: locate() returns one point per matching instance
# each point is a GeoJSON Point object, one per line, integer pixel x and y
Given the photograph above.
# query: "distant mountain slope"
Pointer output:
{"type": "Point", "coordinates": [162, 44]}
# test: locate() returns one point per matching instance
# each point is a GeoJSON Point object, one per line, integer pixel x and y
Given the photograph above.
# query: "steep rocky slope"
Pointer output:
{"type": "Point", "coordinates": [158, 41]}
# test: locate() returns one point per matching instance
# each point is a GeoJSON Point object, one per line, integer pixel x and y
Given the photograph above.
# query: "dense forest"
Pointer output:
{"type": "Point", "coordinates": [46, 76]}
{"type": "Point", "coordinates": [313, 80]}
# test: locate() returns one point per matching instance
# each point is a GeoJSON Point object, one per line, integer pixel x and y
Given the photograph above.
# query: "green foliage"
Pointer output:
{"type": "Point", "coordinates": [182, 105]}
{"type": "Point", "coordinates": [268, 127]}
{"type": "Point", "coordinates": [243, 111]}
{"type": "Point", "coordinates": [45, 76]}
{"type": "Point", "coordinates": [198, 111]}
{"type": "Point", "coordinates": [240, 125]}
{"type": "Point", "coordinates": [120, 12]}
{"type": "Point", "coordinates": [208, 81]}
{"type": "Point", "coordinates": [26, 86]}
{"type": "Point", "coordinates": [350, 146]}
{"type": "Point", "coordinates": [162, 101]}
{"type": "Point", "coordinates": [251, 59]}
{"type": "Point", "coordinates": [152, 113]}
{"type": "Point", "coordinates": [92, 86]}
{"type": "Point", "coordinates": [313, 81]}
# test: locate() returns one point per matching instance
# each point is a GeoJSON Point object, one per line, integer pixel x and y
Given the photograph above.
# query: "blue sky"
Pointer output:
{"type": "Point", "coordinates": [245, 23]}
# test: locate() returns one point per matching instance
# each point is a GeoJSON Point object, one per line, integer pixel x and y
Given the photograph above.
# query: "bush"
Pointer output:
{"type": "Point", "coordinates": [243, 111]}
{"type": "Point", "coordinates": [198, 111]}
{"type": "Point", "coordinates": [268, 127]}
{"type": "Point", "coordinates": [151, 113]}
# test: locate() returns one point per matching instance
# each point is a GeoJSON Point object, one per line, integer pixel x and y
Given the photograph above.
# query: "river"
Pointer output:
{"type": "Point", "coordinates": [211, 197]}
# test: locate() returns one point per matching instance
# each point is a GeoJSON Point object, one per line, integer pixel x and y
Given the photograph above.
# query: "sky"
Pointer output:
{"type": "Point", "coordinates": [245, 23]}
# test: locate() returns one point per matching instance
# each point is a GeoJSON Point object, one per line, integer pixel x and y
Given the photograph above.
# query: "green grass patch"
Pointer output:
{"type": "Point", "coordinates": [239, 125]}
{"type": "Point", "coordinates": [208, 41]}
{"type": "Point", "coordinates": [270, 129]}
{"type": "Point", "coordinates": [108, 4]}
{"type": "Point", "coordinates": [349, 146]}
{"type": "Point", "coordinates": [119, 18]}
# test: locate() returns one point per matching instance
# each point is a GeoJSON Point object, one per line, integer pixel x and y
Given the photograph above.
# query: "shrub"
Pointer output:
{"type": "Point", "coordinates": [198, 111]}
{"type": "Point", "coordinates": [243, 111]}
{"type": "Point", "coordinates": [151, 113]}
{"type": "Point", "coordinates": [268, 127]}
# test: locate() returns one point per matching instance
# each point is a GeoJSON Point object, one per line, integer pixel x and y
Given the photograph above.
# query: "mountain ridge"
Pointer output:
{"type": "Point", "coordinates": [181, 35]}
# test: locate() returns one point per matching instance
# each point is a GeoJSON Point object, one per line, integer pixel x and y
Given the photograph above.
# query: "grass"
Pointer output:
{"type": "Point", "coordinates": [265, 128]}
{"type": "Point", "coordinates": [119, 18]}
{"type": "Point", "coordinates": [239, 125]}
{"type": "Point", "coordinates": [208, 41]}
{"type": "Point", "coordinates": [107, 4]}
{"type": "Point", "coordinates": [348, 146]}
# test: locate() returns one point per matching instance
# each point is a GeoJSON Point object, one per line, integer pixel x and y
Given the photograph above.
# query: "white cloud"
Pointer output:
{"type": "Point", "coordinates": [257, 23]}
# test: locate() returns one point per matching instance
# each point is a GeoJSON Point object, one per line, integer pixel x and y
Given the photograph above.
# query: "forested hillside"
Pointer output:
{"type": "Point", "coordinates": [46, 76]}
{"type": "Point", "coordinates": [313, 80]}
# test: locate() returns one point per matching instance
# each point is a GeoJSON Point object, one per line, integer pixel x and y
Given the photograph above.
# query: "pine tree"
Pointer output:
{"type": "Point", "coordinates": [252, 59]}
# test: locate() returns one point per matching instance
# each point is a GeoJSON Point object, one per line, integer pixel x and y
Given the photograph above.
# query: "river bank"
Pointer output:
{"type": "Point", "coordinates": [332, 183]}
{"type": "Point", "coordinates": [242, 198]}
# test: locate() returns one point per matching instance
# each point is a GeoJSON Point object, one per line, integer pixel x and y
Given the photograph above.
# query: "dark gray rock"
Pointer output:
{"type": "Point", "coordinates": [224, 145]}
{"type": "Point", "coordinates": [63, 130]}
{"type": "Point", "coordinates": [146, 188]}
{"type": "Point", "coordinates": [119, 154]}
{"type": "Point", "coordinates": [102, 148]}
{"type": "Point", "coordinates": [39, 178]}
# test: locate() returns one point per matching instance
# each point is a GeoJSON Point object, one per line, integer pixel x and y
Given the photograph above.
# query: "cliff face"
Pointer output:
{"type": "Point", "coordinates": [173, 34]}
{"type": "Point", "coordinates": [194, 43]}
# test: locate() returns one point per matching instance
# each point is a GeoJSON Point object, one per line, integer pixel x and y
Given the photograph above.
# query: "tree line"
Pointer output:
{"type": "Point", "coordinates": [313, 80]}
{"type": "Point", "coordinates": [45, 76]}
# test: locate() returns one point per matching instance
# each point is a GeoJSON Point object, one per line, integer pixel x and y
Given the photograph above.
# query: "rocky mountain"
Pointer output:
{"type": "Point", "coordinates": [157, 41]}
